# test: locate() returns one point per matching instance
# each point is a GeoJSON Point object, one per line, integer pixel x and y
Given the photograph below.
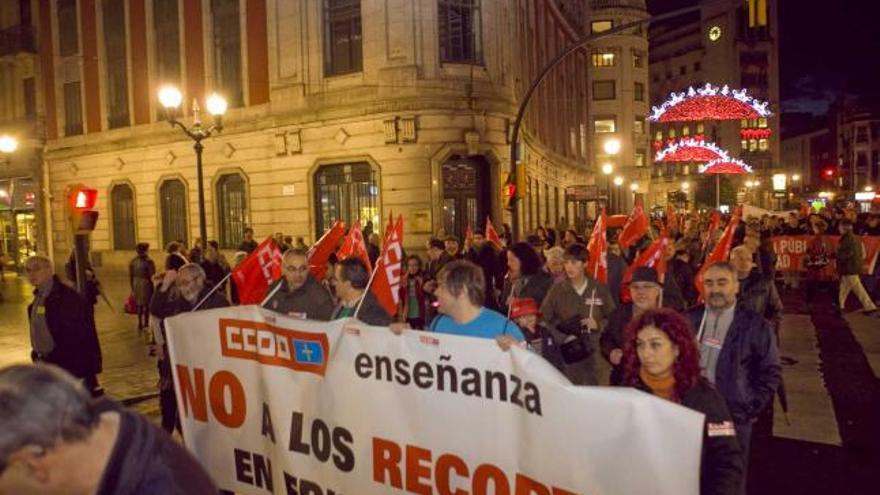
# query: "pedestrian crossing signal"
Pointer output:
{"type": "Point", "coordinates": [81, 201]}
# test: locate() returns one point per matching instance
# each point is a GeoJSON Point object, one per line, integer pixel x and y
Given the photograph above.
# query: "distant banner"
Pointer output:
{"type": "Point", "coordinates": [791, 252]}
{"type": "Point", "coordinates": [270, 404]}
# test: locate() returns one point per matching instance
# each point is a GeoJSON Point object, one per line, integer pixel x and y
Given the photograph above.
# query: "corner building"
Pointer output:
{"type": "Point", "coordinates": [338, 109]}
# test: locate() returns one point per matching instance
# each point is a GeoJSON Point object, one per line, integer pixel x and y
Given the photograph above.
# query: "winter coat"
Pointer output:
{"type": "Point", "coordinates": [748, 370]}
{"type": "Point", "coordinates": [404, 294]}
{"type": "Point", "coordinates": [371, 312]}
{"type": "Point", "coordinates": [146, 461]}
{"type": "Point", "coordinates": [311, 300]}
{"type": "Point", "coordinates": [721, 465]}
{"type": "Point", "coordinates": [140, 275]}
{"type": "Point", "coordinates": [850, 258]}
{"type": "Point", "coordinates": [534, 286]}
{"type": "Point", "coordinates": [616, 268]}
{"type": "Point", "coordinates": [72, 327]}
{"type": "Point", "coordinates": [613, 338]}
{"type": "Point", "coordinates": [759, 294]}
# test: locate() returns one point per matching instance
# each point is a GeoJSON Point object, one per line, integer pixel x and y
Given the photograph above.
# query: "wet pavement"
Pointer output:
{"type": "Point", "coordinates": [129, 372]}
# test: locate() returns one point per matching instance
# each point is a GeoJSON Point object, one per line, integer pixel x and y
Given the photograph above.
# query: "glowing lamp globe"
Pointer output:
{"type": "Point", "coordinates": [170, 97]}
{"type": "Point", "coordinates": [216, 104]}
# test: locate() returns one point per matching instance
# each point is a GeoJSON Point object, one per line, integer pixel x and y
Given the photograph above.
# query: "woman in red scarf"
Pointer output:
{"type": "Point", "coordinates": [661, 357]}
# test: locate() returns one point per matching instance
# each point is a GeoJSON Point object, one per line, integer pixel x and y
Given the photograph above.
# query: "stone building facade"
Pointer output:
{"type": "Point", "coordinates": [338, 109]}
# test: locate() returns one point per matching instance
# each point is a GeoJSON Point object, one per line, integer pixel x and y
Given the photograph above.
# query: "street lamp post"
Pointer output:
{"type": "Point", "coordinates": [171, 98]}
{"type": "Point", "coordinates": [607, 170]}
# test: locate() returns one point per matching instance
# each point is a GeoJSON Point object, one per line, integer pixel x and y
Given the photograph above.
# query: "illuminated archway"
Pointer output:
{"type": "Point", "coordinates": [691, 150]}
{"type": "Point", "coordinates": [710, 103]}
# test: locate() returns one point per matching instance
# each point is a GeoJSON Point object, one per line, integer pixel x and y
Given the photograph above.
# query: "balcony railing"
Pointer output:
{"type": "Point", "coordinates": [17, 39]}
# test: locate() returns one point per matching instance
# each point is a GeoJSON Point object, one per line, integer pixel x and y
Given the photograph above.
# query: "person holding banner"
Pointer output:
{"type": "Point", "coordinates": [660, 357]}
{"type": "Point", "coordinates": [180, 291]}
{"type": "Point", "coordinates": [461, 291]}
{"type": "Point", "coordinates": [351, 279]}
{"type": "Point", "coordinates": [58, 440]}
{"type": "Point", "coordinates": [297, 293]}
{"type": "Point", "coordinates": [576, 311]}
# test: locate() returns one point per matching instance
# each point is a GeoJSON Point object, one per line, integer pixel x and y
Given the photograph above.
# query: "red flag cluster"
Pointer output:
{"type": "Point", "coordinates": [257, 272]}
{"type": "Point", "coordinates": [635, 228]}
{"type": "Point", "coordinates": [721, 250]}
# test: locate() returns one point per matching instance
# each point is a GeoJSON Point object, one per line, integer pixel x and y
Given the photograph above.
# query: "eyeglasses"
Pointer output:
{"type": "Point", "coordinates": [299, 269]}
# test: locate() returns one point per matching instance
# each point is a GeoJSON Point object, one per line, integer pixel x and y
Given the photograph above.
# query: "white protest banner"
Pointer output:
{"type": "Point", "coordinates": [270, 404]}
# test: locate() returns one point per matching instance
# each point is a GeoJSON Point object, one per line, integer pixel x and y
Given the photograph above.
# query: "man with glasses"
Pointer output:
{"type": "Point", "coordinates": [351, 280]}
{"type": "Point", "coordinates": [57, 440]}
{"type": "Point", "coordinates": [297, 293]}
{"type": "Point", "coordinates": [645, 288]}
{"type": "Point", "coordinates": [62, 328]}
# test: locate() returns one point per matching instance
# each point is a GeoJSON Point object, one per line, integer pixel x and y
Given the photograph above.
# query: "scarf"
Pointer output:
{"type": "Point", "coordinates": [661, 387]}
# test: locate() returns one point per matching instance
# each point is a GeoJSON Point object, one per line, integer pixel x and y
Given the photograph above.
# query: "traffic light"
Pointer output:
{"type": "Point", "coordinates": [828, 173]}
{"type": "Point", "coordinates": [521, 181]}
{"type": "Point", "coordinates": [81, 201]}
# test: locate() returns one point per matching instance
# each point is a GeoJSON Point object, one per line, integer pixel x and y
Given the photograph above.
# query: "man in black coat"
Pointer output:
{"type": "Point", "coordinates": [180, 292]}
{"type": "Point", "coordinates": [62, 328]}
{"type": "Point", "coordinates": [297, 293]}
{"type": "Point", "coordinates": [756, 292]}
{"type": "Point", "coordinates": [484, 255]}
{"type": "Point", "coordinates": [738, 351]}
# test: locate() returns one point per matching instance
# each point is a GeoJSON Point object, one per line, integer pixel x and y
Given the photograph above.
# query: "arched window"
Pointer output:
{"type": "Point", "coordinates": [122, 213]}
{"type": "Point", "coordinates": [231, 209]}
{"type": "Point", "coordinates": [347, 192]}
{"type": "Point", "coordinates": [172, 206]}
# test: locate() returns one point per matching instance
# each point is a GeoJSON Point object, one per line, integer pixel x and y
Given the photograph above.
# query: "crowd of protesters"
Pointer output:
{"type": "Point", "coordinates": [715, 352]}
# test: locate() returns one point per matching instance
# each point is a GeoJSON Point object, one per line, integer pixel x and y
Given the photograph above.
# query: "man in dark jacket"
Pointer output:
{"type": "Point", "coordinates": [484, 255]}
{"type": "Point", "coordinates": [679, 268]}
{"type": "Point", "coordinates": [58, 440]}
{"type": "Point", "coordinates": [180, 292]}
{"type": "Point", "coordinates": [738, 352]}
{"type": "Point", "coordinates": [350, 279]}
{"type": "Point", "coordinates": [297, 293]}
{"type": "Point", "coordinates": [617, 266]}
{"type": "Point", "coordinates": [62, 328]}
{"type": "Point", "coordinates": [756, 292]}
{"type": "Point", "coordinates": [850, 266]}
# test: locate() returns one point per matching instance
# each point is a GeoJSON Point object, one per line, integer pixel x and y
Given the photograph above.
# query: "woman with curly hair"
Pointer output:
{"type": "Point", "coordinates": [661, 357]}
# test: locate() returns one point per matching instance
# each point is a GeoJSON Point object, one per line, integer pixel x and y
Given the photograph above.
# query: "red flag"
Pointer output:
{"type": "Point", "coordinates": [354, 245]}
{"type": "Point", "coordinates": [492, 235]}
{"type": "Point", "coordinates": [598, 249]}
{"type": "Point", "coordinates": [386, 280]}
{"type": "Point", "coordinates": [714, 222]}
{"type": "Point", "coordinates": [468, 237]}
{"type": "Point", "coordinates": [389, 227]}
{"type": "Point", "coordinates": [320, 253]}
{"type": "Point", "coordinates": [257, 272]}
{"type": "Point", "coordinates": [635, 228]}
{"type": "Point", "coordinates": [671, 219]}
{"type": "Point", "coordinates": [654, 256]}
{"type": "Point", "coordinates": [720, 252]}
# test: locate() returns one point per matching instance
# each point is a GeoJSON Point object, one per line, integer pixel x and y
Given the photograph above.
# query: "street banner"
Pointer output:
{"type": "Point", "coordinates": [791, 251]}
{"type": "Point", "coordinates": [272, 404]}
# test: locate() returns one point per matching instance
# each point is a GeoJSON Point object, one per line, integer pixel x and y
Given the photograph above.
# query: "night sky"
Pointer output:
{"type": "Point", "coordinates": [827, 48]}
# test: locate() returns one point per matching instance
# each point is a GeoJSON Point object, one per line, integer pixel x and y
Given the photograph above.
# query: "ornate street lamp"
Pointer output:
{"type": "Point", "coordinates": [171, 98]}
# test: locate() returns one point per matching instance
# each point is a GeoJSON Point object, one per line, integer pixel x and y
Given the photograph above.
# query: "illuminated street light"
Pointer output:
{"type": "Point", "coordinates": [685, 186]}
{"type": "Point", "coordinates": [796, 177]}
{"type": "Point", "coordinates": [607, 169]}
{"type": "Point", "coordinates": [611, 146]}
{"type": "Point", "coordinates": [8, 144]}
{"type": "Point", "coordinates": [171, 98]}
{"type": "Point", "coordinates": [869, 188]}
{"type": "Point", "coordinates": [634, 187]}
{"type": "Point", "coordinates": [618, 181]}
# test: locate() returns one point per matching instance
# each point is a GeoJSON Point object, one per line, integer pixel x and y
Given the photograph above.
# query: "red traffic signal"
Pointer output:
{"type": "Point", "coordinates": [828, 173]}
{"type": "Point", "coordinates": [82, 198]}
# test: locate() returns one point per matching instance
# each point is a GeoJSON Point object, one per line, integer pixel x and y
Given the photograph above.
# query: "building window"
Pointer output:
{"type": "Point", "coordinates": [172, 208]}
{"type": "Point", "coordinates": [639, 91]}
{"type": "Point", "coordinates": [639, 60]}
{"type": "Point", "coordinates": [73, 124]}
{"type": "Point", "coordinates": [700, 128]}
{"type": "Point", "coordinates": [117, 74]}
{"type": "Point", "coordinates": [604, 90]}
{"type": "Point", "coordinates": [347, 192]}
{"type": "Point", "coordinates": [122, 212]}
{"type": "Point", "coordinates": [685, 131]}
{"type": "Point", "coordinates": [639, 127]}
{"type": "Point", "coordinates": [231, 209]}
{"type": "Point", "coordinates": [762, 122]}
{"type": "Point", "coordinates": [343, 53]}
{"type": "Point", "coordinates": [658, 136]}
{"type": "Point", "coordinates": [602, 125]}
{"type": "Point", "coordinates": [601, 26]}
{"type": "Point", "coordinates": [603, 57]}
{"type": "Point", "coordinates": [166, 27]}
{"type": "Point", "coordinates": [745, 144]}
{"type": "Point", "coordinates": [672, 134]}
{"type": "Point", "coordinates": [68, 35]}
{"type": "Point", "coordinates": [460, 31]}
{"type": "Point", "coordinates": [763, 144]}
{"type": "Point", "coordinates": [227, 50]}
{"type": "Point", "coordinates": [640, 158]}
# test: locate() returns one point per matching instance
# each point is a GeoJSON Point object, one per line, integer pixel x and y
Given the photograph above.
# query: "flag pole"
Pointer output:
{"type": "Point", "coordinates": [366, 290]}
{"type": "Point", "coordinates": [272, 293]}
{"type": "Point", "coordinates": [197, 306]}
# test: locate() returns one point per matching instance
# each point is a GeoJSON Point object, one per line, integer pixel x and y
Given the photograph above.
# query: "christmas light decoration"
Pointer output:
{"type": "Point", "coordinates": [691, 150]}
{"type": "Point", "coordinates": [725, 166]}
{"type": "Point", "coordinates": [755, 133]}
{"type": "Point", "coordinates": [710, 103]}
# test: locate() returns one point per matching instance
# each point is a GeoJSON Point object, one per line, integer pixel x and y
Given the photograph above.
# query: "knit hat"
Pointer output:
{"type": "Point", "coordinates": [646, 274]}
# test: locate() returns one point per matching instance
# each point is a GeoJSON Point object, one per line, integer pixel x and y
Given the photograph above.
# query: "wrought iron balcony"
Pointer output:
{"type": "Point", "coordinates": [17, 39]}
